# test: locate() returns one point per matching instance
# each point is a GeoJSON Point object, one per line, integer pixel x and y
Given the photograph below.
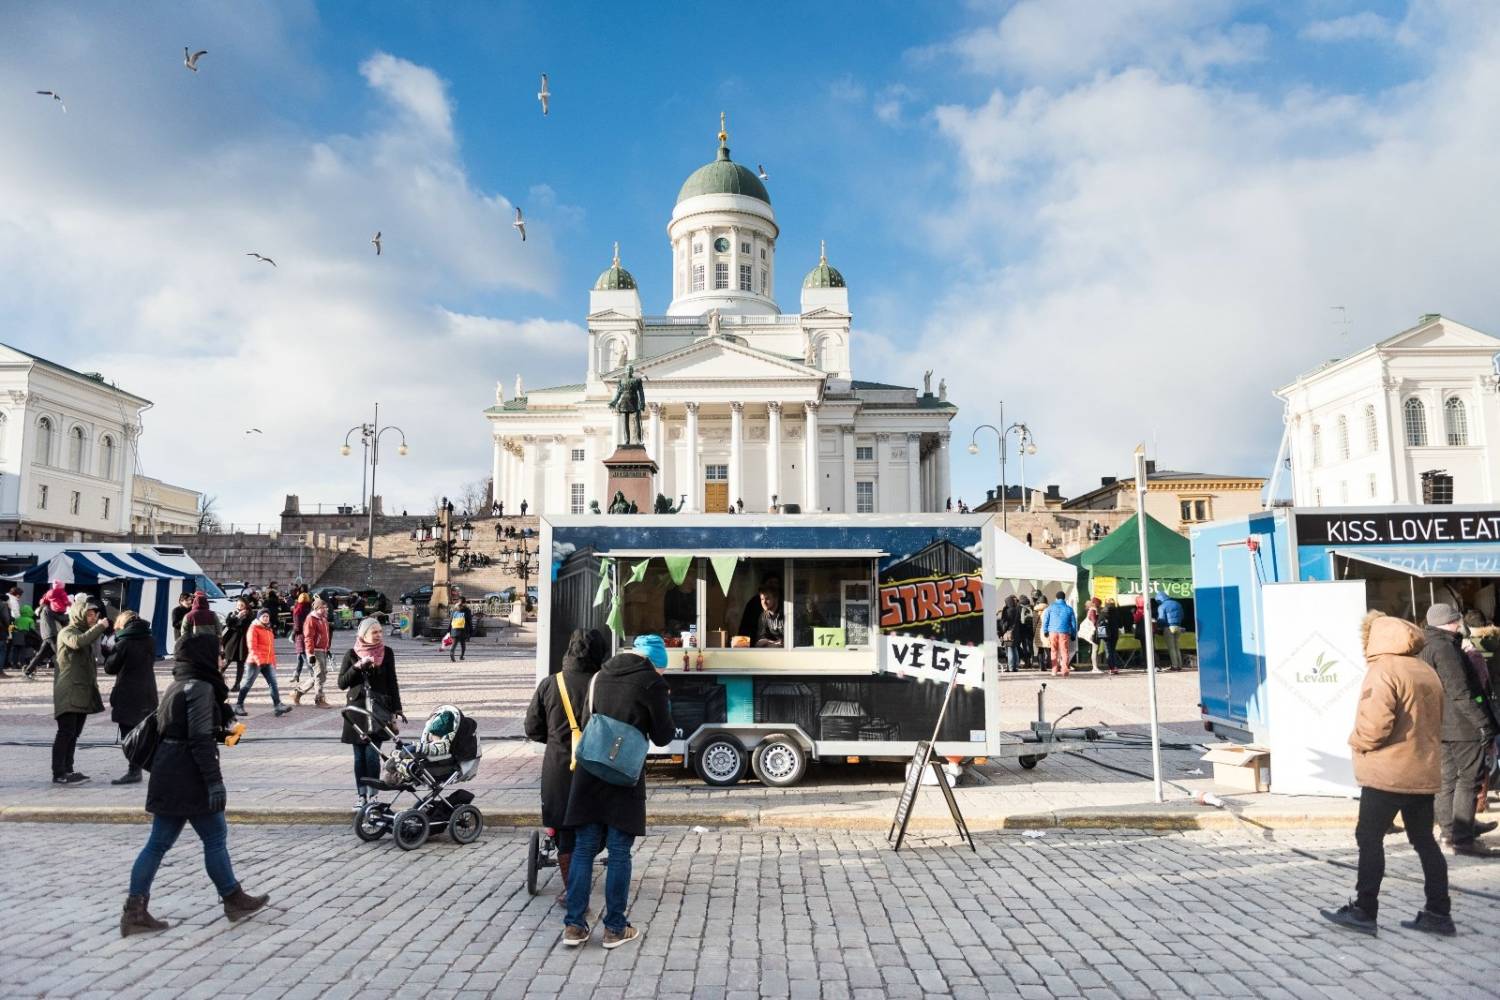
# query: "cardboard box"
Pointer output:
{"type": "Point", "coordinates": [1241, 767]}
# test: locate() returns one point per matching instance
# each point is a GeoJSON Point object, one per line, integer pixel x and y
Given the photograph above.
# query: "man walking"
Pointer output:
{"type": "Point", "coordinates": [1396, 762]}
{"type": "Point", "coordinates": [317, 641]}
{"type": "Point", "coordinates": [1468, 729]}
{"type": "Point", "coordinates": [1059, 626]}
{"type": "Point", "coordinates": [1169, 616]}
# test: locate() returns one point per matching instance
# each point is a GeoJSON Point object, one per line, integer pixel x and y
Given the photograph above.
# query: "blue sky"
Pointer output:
{"type": "Point", "coordinates": [1127, 220]}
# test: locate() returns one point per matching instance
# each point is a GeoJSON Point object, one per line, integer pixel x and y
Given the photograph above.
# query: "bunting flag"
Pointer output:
{"type": "Point", "coordinates": [603, 591]}
{"type": "Point", "coordinates": [638, 571]}
{"type": "Point", "coordinates": [678, 566]}
{"type": "Point", "coordinates": [724, 567]}
{"type": "Point", "coordinates": [616, 619]}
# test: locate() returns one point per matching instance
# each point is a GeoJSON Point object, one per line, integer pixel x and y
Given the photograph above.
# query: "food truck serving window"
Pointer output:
{"type": "Point", "coordinates": [831, 603]}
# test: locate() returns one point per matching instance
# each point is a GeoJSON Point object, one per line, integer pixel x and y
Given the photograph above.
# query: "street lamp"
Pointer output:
{"type": "Point", "coordinates": [369, 435]}
{"type": "Point", "coordinates": [1025, 445]}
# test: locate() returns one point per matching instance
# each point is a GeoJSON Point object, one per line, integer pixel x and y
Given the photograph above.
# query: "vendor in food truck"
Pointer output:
{"type": "Point", "coordinates": [770, 624]}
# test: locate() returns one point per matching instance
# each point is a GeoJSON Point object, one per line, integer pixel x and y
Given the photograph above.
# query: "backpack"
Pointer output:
{"type": "Point", "coordinates": [139, 745]}
{"type": "Point", "coordinates": [610, 750]}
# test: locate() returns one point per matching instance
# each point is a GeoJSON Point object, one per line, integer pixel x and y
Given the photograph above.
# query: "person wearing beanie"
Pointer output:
{"type": "Point", "coordinates": [630, 689]}
{"type": "Point", "coordinates": [75, 686]}
{"type": "Point", "coordinates": [1468, 728]}
{"type": "Point", "coordinates": [200, 619]}
{"type": "Point", "coordinates": [261, 661]}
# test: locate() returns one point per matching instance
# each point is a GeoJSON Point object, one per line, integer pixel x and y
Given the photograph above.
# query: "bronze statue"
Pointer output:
{"type": "Point", "coordinates": [630, 400]}
{"type": "Point", "coordinates": [619, 505]}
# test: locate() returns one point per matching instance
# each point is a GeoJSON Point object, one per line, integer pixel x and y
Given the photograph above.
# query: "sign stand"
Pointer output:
{"type": "Point", "coordinates": [921, 759]}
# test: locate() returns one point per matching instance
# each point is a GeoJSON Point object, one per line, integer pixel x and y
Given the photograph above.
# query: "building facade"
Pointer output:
{"type": "Point", "coordinates": [1367, 429]}
{"type": "Point", "coordinates": [1176, 499]}
{"type": "Point", "coordinates": [747, 408]}
{"type": "Point", "coordinates": [67, 451]}
{"type": "Point", "coordinates": [159, 508]}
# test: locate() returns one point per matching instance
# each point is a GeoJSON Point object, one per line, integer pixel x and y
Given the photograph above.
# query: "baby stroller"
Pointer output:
{"type": "Point", "coordinates": [426, 769]}
{"type": "Point", "coordinates": [541, 854]}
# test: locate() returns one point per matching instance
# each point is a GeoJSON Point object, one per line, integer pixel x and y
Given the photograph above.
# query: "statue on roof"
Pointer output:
{"type": "Point", "coordinates": [943, 389]}
{"type": "Point", "coordinates": [713, 322]}
{"type": "Point", "coordinates": [927, 382]}
{"type": "Point", "coordinates": [520, 391]}
{"type": "Point", "coordinates": [499, 392]}
{"type": "Point", "coordinates": [630, 400]}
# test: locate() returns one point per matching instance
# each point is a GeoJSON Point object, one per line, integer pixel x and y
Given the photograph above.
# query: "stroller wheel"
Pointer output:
{"type": "Point", "coordinates": [465, 824]}
{"type": "Point", "coordinates": [372, 821]}
{"type": "Point", "coordinates": [410, 829]}
{"type": "Point", "coordinates": [533, 858]}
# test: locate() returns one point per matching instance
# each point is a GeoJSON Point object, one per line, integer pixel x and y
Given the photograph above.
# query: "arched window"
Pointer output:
{"type": "Point", "coordinates": [75, 449]}
{"type": "Point", "coordinates": [1317, 445]}
{"type": "Point", "coordinates": [820, 354]}
{"type": "Point", "coordinates": [614, 354]}
{"type": "Point", "coordinates": [44, 440]}
{"type": "Point", "coordinates": [1455, 422]}
{"type": "Point", "coordinates": [1372, 433]}
{"type": "Point", "coordinates": [107, 457]}
{"type": "Point", "coordinates": [1343, 438]}
{"type": "Point", "coordinates": [1414, 416]}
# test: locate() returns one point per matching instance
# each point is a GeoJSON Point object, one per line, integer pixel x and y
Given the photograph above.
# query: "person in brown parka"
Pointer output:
{"type": "Point", "coordinates": [1398, 765]}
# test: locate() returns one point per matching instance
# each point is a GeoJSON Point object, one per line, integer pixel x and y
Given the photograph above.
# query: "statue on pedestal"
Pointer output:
{"type": "Point", "coordinates": [630, 400]}
{"type": "Point", "coordinates": [619, 505]}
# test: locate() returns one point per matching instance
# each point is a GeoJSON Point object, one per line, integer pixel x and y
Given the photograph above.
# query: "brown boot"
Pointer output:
{"type": "Point", "coordinates": [238, 905]}
{"type": "Point", "coordinates": [136, 919]}
{"type": "Point", "coordinates": [296, 696]}
{"type": "Point", "coordinates": [563, 861]}
{"type": "Point", "coordinates": [321, 702]}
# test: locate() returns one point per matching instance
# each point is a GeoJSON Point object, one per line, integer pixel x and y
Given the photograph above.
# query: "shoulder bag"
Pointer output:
{"type": "Point", "coordinates": [611, 750]}
{"type": "Point", "coordinates": [567, 704]}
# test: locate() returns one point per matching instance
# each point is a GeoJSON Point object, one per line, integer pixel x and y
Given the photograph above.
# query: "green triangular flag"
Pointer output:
{"type": "Point", "coordinates": [638, 571]}
{"type": "Point", "coordinates": [678, 566]}
{"type": "Point", "coordinates": [724, 570]}
{"type": "Point", "coordinates": [616, 619]}
{"type": "Point", "coordinates": [603, 591]}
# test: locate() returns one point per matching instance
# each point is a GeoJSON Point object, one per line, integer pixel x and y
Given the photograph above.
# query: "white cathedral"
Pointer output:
{"type": "Point", "coordinates": [747, 408]}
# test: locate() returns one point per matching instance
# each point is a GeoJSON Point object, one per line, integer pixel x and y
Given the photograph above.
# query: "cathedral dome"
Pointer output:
{"type": "Point", "coordinates": [723, 176]}
{"type": "Point", "coordinates": [616, 278]}
{"type": "Point", "coordinates": [824, 275]}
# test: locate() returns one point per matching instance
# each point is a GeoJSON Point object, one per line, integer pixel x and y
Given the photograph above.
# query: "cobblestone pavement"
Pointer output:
{"type": "Point", "coordinates": [734, 914]}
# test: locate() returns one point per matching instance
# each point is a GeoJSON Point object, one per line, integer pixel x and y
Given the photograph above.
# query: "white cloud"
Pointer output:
{"type": "Point", "coordinates": [416, 90]}
{"type": "Point", "coordinates": [1366, 25]}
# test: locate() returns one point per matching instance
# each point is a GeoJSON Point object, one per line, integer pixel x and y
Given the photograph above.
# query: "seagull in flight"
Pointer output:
{"type": "Point", "coordinates": [376, 241]}
{"type": "Point", "coordinates": [190, 59]}
{"type": "Point", "coordinates": [255, 430]}
{"type": "Point", "coordinates": [257, 256]}
{"type": "Point", "coordinates": [544, 95]}
{"type": "Point", "coordinates": [520, 224]}
{"type": "Point", "coordinates": [762, 172]}
{"type": "Point", "coordinates": [56, 97]}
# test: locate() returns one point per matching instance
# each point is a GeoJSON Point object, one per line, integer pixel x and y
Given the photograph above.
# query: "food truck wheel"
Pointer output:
{"type": "Point", "coordinates": [779, 761]}
{"type": "Point", "coordinates": [721, 760]}
{"type": "Point", "coordinates": [1028, 762]}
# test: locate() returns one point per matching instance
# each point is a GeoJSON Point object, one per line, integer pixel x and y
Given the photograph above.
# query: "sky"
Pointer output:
{"type": "Point", "coordinates": [1136, 217]}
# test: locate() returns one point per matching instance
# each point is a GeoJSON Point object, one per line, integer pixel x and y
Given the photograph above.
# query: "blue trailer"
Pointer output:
{"type": "Point", "coordinates": [1409, 557]}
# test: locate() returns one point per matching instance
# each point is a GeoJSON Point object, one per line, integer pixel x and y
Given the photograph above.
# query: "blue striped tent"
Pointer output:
{"type": "Point", "coordinates": [151, 586]}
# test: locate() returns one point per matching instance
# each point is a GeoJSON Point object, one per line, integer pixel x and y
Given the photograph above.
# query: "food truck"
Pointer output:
{"type": "Point", "coordinates": [795, 638]}
{"type": "Point", "coordinates": [1403, 560]}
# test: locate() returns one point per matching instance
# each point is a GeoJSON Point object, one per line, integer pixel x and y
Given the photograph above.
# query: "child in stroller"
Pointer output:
{"type": "Point", "coordinates": [446, 754]}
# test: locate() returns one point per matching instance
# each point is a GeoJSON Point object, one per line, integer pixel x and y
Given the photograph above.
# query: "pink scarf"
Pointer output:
{"type": "Point", "coordinates": [372, 651]}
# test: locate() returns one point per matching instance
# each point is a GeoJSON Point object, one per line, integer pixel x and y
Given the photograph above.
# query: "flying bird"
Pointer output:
{"type": "Point", "coordinates": [56, 97]}
{"type": "Point", "coordinates": [376, 241]}
{"type": "Point", "coordinates": [544, 94]}
{"type": "Point", "coordinates": [257, 256]}
{"type": "Point", "coordinates": [762, 172]}
{"type": "Point", "coordinates": [520, 224]}
{"type": "Point", "coordinates": [190, 59]}
{"type": "Point", "coordinates": [254, 430]}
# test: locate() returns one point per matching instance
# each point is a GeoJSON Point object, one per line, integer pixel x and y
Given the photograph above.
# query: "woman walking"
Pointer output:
{"type": "Point", "coordinates": [75, 688]}
{"type": "Point", "coordinates": [187, 786]}
{"type": "Point", "coordinates": [552, 721]}
{"type": "Point", "coordinates": [132, 663]}
{"type": "Point", "coordinates": [235, 642]}
{"type": "Point", "coordinates": [301, 608]}
{"type": "Point", "coordinates": [317, 641]}
{"type": "Point", "coordinates": [369, 674]}
{"type": "Point", "coordinates": [262, 662]}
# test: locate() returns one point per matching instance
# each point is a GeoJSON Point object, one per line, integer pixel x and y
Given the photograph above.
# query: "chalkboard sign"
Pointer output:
{"type": "Point", "coordinates": [914, 772]}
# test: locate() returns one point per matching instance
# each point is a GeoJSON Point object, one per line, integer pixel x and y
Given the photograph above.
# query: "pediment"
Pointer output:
{"type": "Point", "coordinates": [823, 312]}
{"type": "Point", "coordinates": [721, 358]}
{"type": "Point", "coordinates": [611, 316]}
{"type": "Point", "coordinates": [1440, 334]}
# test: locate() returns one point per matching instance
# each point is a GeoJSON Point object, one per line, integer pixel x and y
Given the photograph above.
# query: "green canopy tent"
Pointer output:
{"type": "Point", "coordinates": [1117, 556]}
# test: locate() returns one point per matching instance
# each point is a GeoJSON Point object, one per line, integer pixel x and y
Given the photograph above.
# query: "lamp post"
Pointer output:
{"type": "Point", "coordinates": [444, 549]}
{"type": "Point", "coordinates": [1025, 445]}
{"type": "Point", "coordinates": [521, 561]}
{"type": "Point", "coordinates": [369, 435]}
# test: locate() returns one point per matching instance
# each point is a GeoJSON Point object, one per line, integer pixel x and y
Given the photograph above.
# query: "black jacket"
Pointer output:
{"type": "Point", "coordinates": [236, 649]}
{"type": "Point", "coordinates": [178, 614]}
{"type": "Point", "coordinates": [627, 688]}
{"type": "Point", "coordinates": [191, 717]}
{"type": "Point", "coordinates": [382, 684]}
{"type": "Point", "coordinates": [1011, 621]}
{"type": "Point", "coordinates": [133, 665]}
{"type": "Point", "coordinates": [547, 722]}
{"type": "Point", "coordinates": [1466, 712]}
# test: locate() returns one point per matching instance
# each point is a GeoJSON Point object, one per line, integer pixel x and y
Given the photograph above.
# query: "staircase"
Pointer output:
{"type": "Point", "coordinates": [400, 567]}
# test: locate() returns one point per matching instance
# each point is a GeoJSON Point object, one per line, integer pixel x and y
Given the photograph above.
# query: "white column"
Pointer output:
{"type": "Point", "coordinates": [657, 451]}
{"type": "Point", "coordinates": [773, 454]}
{"type": "Point", "coordinates": [736, 453]}
{"type": "Point", "coordinates": [589, 475]}
{"type": "Point", "coordinates": [811, 474]}
{"type": "Point", "coordinates": [497, 471]}
{"type": "Point", "coordinates": [848, 435]}
{"type": "Point", "coordinates": [885, 480]}
{"type": "Point", "coordinates": [692, 479]}
{"type": "Point", "coordinates": [531, 462]}
{"type": "Point", "coordinates": [944, 485]}
{"type": "Point", "coordinates": [914, 472]}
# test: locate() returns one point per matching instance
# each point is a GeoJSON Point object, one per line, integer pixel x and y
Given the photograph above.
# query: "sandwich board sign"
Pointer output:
{"type": "Point", "coordinates": [921, 760]}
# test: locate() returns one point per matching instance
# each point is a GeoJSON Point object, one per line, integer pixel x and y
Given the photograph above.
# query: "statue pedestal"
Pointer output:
{"type": "Point", "coordinates": [632, 473]}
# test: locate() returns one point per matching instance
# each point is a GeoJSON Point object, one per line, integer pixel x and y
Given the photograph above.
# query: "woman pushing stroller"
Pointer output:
{"type": "Point", "coordinates": [547, 722]}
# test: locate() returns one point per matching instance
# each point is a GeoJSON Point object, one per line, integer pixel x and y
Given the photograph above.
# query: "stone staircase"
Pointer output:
{"type": "Point", "coordinates": [400, 567]}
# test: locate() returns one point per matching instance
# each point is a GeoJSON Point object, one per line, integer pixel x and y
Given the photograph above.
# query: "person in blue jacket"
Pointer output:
{"type": "Point", "coordinates": [1059, 626]}
{"type": "Point", "coordinates": [1169, 617]}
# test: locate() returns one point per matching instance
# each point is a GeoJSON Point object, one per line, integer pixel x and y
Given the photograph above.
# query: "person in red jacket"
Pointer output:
{"type": "Point", "coordinates": [261, 661]}
{"type": "Point", "coordinates": [317, 640]}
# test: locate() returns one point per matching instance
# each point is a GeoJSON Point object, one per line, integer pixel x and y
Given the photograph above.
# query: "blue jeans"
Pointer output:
{"type": "Point", "coordinates": [255, 670]}
{"type": "Point", "coordinates": [211, 828]}
{"type": "Point", "coordinates": [616, 875]}
{"type": "Point", "coordinates": [366, 764]}
{"type": "Point", "coordinates": [1012, 658]}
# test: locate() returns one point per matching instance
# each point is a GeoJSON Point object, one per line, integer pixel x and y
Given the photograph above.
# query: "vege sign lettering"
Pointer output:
{"type": "Point", "coordinates": [1386, 529]}
{"type": "Point", "coordinates": [920, 602]}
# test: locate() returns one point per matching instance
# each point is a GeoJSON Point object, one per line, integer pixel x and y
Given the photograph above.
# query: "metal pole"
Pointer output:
{"type": "Point", "coordinates": [370, 504]}
{"type": "Point", "coordinates": [1004, 486]}
{"type": "Point", "coordinates": [1149, 631]}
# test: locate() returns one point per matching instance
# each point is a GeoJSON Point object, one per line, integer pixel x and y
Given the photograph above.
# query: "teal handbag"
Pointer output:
{"type": "Point", "coordinates": [611, 750]}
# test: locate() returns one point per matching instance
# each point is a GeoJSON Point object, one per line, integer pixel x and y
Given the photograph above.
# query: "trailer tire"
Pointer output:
{"type": "Point", "coordinates": [779, 761]}
{"type": "Point", "coordinates": [721, 761]}
{"type": "Point", "coordinates": [1030, 761]}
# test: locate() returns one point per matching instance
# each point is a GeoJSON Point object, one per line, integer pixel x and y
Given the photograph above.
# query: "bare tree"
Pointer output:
{"type": "Point", "coordinates": [208, 517]}
{"type": "Point", "coordinates": [472, 496]}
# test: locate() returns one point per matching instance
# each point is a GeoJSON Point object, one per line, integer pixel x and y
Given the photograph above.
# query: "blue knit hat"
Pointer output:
{"type": "Point", "coordinates": [653, 649]}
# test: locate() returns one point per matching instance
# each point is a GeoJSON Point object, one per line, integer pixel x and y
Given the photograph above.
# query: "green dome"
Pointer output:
{"type": "Point", "coordinates": [824, 275]}
{"type": "Point", "coordinates": [616, 278]}
{"type": "Point", "coordinates": [723, 176]}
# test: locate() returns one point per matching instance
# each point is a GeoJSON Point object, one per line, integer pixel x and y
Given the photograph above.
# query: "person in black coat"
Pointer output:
{"type": "Point", "coordinates": [629, 687]}
{"type": "Point", "coordinates": [187, 785]}
{"type": "Point", "coordinates": [547, 722]}
{"type": "Point", "coordinates": [132, 663]}
{"type": "Point", "coordinates": [233, 640]}
{"type": "Point", "coordinates": [369, 671]}
{"type": "Point", "coordinates": [1468, 730]}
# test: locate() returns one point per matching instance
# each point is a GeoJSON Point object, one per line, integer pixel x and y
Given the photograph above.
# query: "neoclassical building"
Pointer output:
{"type": "Point", "coordinates": [747, 406]}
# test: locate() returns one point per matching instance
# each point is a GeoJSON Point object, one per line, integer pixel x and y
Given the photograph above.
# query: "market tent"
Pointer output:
{"type": "Point", "coordinates": [1118, 556]}
{"type": "Point", "coordinates": [1021, 569]}
{"type": "Point", "coordinates": [151, 586]}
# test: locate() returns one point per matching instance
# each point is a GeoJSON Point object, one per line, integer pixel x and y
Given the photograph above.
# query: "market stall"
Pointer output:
{"type": "Point", "coordinates": [1111, 571]}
